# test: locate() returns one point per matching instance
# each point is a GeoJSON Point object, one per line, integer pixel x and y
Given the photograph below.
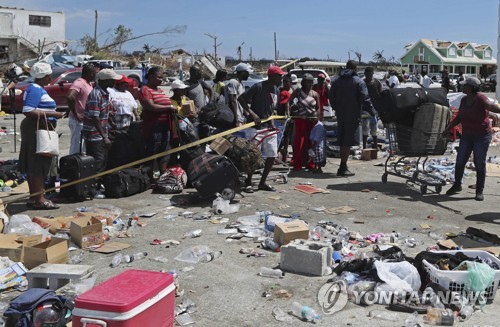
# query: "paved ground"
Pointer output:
{"type": "Point", "coordinates": [228, 291]}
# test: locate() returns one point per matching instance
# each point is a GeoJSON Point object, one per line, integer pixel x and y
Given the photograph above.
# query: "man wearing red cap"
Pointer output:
{"type": "Point", "coordinates": [259, 102]}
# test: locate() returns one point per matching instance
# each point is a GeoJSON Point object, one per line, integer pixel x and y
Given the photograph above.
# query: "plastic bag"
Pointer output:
{"type": "Point", "coordinates": [222, 207]}
{"type": "Point", "coordinates": [103, 210]}
{"type": "Point", "coordinates": [193, 254]}
{"type": "Point", "coordinates": [480, 275]}
{"type": "Point", "coordinates": [399, 276]}
{"type": "Point", "coordinates": [22, 224]}
{"type": "Point", "coordinates": [271, 220]}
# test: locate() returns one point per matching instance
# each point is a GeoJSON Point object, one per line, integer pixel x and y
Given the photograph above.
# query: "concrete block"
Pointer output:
{"type": "Point", "coordinates": [55, 276]}
{"type": "Point", "coordinates": [307, 257]}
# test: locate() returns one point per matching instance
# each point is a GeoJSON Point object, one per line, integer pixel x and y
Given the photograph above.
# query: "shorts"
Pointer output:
{"type": "Point", "coordinates": [269, 144]}
{"type": "Point", "coordinates": [369, 126]}
{"type": "Point", "coordinates": [347, 133]}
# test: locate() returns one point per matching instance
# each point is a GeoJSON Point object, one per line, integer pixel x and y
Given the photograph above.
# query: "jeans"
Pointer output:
{"type": "Point", "coordinates": [75, 128]}
{"type": "Point", "coordinates": [479, 145]}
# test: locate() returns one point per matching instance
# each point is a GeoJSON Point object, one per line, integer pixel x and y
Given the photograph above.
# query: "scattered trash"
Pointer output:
{"type": "Point", "coordinates": [186, 269]}
{"type": "Point", "coordinates": [193, 234]}
{"type": "Point", "coordinates": [202, 216]}
{"type": "Point", "coordinates": [269, 272]}
{"type": "Point", "coordinates": [196, 254]}
{"type": "Point", "coordinates": [384, 315]}
{"type": "Point", "coordinates": [304, 312]}
{"type": "Point", "coordinates": [184, 319]}
{"type": "Point", "coordinates": [222, 207]}
{"type": "Point", "coordinates": [440, 317]}
{"type": "Point", "coordinates": [76, 259]}
{"type": "Point", "coordinates": [159, 259]}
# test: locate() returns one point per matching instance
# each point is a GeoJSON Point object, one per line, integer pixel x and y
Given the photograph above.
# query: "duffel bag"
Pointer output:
{"type": "Point", "coordinates": [217, 114]}
{"type": "Point", "coordinates": [399, 105]}
{"type": "Point", "coordinates": [437, 95]}
{"type": "Point", "coordinates": [126, 182]}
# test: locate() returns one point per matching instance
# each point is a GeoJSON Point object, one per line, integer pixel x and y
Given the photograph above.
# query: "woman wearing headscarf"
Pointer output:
{"type": "Point", "coordinates": [38, 105]}
{"type": "Point", "coordinates": [305, 103]}
{"type": "Point", "coordinates": [476, 134]}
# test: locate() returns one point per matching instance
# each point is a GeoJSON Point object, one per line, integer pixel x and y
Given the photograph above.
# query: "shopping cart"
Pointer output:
{"type": "Point", "coordinates": [405, 143]}
{"type": "Point", "coordinates": [281, 169]}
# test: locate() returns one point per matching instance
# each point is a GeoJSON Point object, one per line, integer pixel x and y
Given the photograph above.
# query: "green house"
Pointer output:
{"type": "Point", "coordinates": [434, 56]}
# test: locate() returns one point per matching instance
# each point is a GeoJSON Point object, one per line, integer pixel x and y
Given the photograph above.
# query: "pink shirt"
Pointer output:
{"type": "Point", "coordinates": [83, 89]}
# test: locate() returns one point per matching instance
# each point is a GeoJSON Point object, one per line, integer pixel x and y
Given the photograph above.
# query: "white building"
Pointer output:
{"type": "Point", "coordinates": [28, 33]}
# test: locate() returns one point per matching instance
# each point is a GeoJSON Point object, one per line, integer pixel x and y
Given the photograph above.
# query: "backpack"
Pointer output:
{"type": "Point", "coordinates": [217, 114]}
{"type": "Point", "coordinates": [172, 181]}
{"type": "Point", "coordinates": [21, 309]}
{"type": "Point", "coordinates": [245, 155]}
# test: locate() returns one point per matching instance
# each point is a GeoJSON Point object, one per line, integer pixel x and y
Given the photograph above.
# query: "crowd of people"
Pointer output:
{"type": "Point", "coordinates": [100, 102]}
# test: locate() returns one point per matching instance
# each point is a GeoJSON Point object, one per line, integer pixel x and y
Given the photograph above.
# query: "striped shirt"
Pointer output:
{"type": "Point", "coordinates": [97, 106]}
{"type": "Point", "coordinates": [35, 97]}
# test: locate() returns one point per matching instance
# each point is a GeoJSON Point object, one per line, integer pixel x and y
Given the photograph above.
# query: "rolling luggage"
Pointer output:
{"type": "Point", "coordinates": [398, 105]}
{"type": "Point", "coordinates": [210, 174]}
{"type": "Point", "coordinates": [245, 155]}
{"type": "Point", "coordinates": [188, 134]}
{"type": "Point", "coordinates": [429, 122]}
{"type": "Point", "coordinates": [74, 167]}
{"type": "Point", "coordinates": [126, 182]}
{"type": "Point", "coordinates": [127, 146]}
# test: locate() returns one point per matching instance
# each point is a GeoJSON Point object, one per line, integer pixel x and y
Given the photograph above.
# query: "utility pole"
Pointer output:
{"type": "Point", "coordinates": [275, 48]}
{"type": "Point", "coordinates": [238, 50]}
{"type": "Point", "coordinates": [95, 28]}
{"type": "Point", "coordinates": [251, 59]}
{"type": "Point", "coordinates": [214, 37]}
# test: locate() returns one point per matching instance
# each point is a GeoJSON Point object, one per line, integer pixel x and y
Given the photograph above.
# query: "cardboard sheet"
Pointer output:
{"type": "Point", "coordinates": [340, 210]}
{"type": "Point", "coordinates": [111, 247]}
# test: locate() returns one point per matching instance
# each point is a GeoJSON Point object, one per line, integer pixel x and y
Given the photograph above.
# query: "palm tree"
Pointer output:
{"type": "Point", "coordinates": [147, 48]}
{"type": "Point", "coordinates": [378, 57]}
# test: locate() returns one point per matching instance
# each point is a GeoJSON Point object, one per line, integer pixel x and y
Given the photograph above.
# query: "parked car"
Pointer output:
{"type": "Point", "coordinates": [62, 79]}
{"type": "Point", "coordinates": [314, 72]}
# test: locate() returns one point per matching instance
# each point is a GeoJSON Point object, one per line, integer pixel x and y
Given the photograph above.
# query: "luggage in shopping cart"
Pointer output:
{"type": "Point", "coordinates": [210, 174]}
{"type": "Point", "coordinates": [429, 122]}
{"type": "Point", "coordinates": [437, 95]}
{"type": "Point", "coordinates": [398, 105]}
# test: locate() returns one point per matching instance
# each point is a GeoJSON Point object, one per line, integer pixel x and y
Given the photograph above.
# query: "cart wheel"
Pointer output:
{"type": "Point", "coordinates": [439, 188]}
{"type": "Point", "coordinates": [285, 179]}
{"type": "Point", "coordinates": [384, 178]}
{"type": "Point", "coordinates": [228, 193]}
{"type": "Point", "coordinates": [423, 189]}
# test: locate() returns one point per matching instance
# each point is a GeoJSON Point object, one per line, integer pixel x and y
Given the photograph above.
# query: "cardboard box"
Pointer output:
{"type": "Point", "coordinates": [52, 251]}
{"type": "Point", "coordinates": [188, 108]}
{"type": "Point", "coordinates": [86, 232]}
{"type": "Point", "coordinates": [293, 230]}
{"type": "Point", "coordinates": [220, 145]}
{"type": "Point", "coordinates": [369, 154]}
{"type": "Point", "coordinates": [13, 245]}
{"type": "Point", "coordinates": [53, 224]}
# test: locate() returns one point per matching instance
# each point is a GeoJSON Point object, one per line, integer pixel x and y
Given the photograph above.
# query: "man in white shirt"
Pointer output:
{"type": "Point", "coordinates": [426, 81]}
{"type": "Point", "coordinates": [393, 81]}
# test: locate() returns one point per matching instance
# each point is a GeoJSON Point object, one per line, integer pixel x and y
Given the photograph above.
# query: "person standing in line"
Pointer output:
{"type": "Point", "coordinates": [158, 120]}
{"type": "Point", "coordinates": [39, 109]}
{"type": "Point", "coordinates": [77, 99]}
{"type": "Point", "coordinates": [307, 104]}
{"type": "Point", "coordinates": [196, 92]}
{"type": "Point", "coordinates": [259, 102]}
{"type": "Point", "coordinates": [284, 110]}
{"type": "Point", "coordinates": [369, 115]}
{"type": "Point", "coordinates": [95, 122]}
{"type": "Point", "coordinates": [234, 88]}
{"type": "Point", "coordinates": [445, 80]}
{"type": "Point", "coordinates": [322, 89]}
{"type": "Point", "coordinates": [476, 135]}
{"type": "Point", "coordinates": [393, 81]}
{"type": "Point", "coordinates": [123, 103]}
{"type": "Point", "coordinates": [348, 94]}
{"type": "Point", "coordinates": [219, 82]}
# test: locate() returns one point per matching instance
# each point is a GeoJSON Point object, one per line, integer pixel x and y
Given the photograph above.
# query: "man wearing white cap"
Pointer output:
{"type": "Point", "coordinates": [234, 88]}
{"type": "Point", "coordinates": [95, 122]}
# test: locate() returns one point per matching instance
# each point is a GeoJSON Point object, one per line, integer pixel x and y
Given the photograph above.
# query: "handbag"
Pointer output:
{"type": "Point", "coordinates": [47, 141]}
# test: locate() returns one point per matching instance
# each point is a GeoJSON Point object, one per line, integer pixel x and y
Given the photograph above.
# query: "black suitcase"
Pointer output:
{"type": "Point", "coordinates": [437, 95]}
{"type": "Point", "coordinates": [399, 105]}
{"type": "Point", "coordinates": [74, 167]}
{"type": "Point", "coordinates": [127, 146]}
{"type": "Point", "coordinates": [210, 174]}
{"type": "Point", "coordinates": [126, 182]}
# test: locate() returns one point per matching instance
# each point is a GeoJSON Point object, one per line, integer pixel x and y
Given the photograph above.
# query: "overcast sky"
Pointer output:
{"type": "Point", "coordinates": [314, 28]}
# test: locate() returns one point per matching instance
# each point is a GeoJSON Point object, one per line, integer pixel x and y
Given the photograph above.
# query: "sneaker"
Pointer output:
{"type": "Point", "coordinates": [456, 188]}
{"type": "Point", "coordinates": [479, 196]}
{"type": "Point", "coordinates": [99, 195]}
{"type": "Point", "coordinates": [344, 173]}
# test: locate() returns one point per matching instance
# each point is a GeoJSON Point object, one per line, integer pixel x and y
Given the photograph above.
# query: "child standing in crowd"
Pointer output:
{"type": "Point", "coordinates": [318, 148]}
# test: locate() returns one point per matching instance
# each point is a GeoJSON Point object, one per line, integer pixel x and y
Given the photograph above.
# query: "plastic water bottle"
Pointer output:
{"type": "Point", "coordinates": [269, 272]}
{"type": "Point", "coordinates": [304, 312]}
{"type": "Point", "coordinates": [211, 256]}
{"type": "Point", "coordinates": [76, 259]}
{"type": "Point", "coordinates": [384, 315]}
{"type": "Point", "coordinates": [134, 257]}
{"type": "Point", "coordinates": [466, 312]}
{"type": "Point", "coordinates": [270, 244]}
{"type": "Point", "coordinates": [117, 259]}
{"type": "Point", "coordinates": [132, 224]}
{"type": "Point", "coordinates": [193, 233]}
{"type": "Point", "coordinates": [118, 224]}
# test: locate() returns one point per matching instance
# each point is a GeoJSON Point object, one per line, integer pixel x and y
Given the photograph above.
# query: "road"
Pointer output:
{"type": "Point", "coordinates": [228, 291]}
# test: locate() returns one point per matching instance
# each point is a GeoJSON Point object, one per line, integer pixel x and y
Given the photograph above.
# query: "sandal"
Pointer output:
{"type": "Point", "coordinates": [266, 187]}
{"type": "Point", "coordinates": [248, 189]}
{"type": "Point", "coordinates": [47, 205]}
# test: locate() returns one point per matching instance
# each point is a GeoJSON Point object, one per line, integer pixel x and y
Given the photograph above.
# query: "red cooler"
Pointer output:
{"type": "Point", "coordinates": [131, 299]}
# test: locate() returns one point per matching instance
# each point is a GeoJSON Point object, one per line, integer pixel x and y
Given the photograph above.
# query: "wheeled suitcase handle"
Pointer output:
{"type": "Point", "coordinates": [97, 322]}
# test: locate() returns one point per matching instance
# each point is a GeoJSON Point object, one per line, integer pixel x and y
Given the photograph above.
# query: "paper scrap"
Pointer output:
{"type": "Point", "coordinates": [425, 226]}
{"type": "Point", "coordinates": [340, 210]}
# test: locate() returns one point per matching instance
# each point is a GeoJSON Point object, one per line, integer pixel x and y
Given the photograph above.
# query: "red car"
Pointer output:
{"type": "Point", "coordinates": [62, 79]}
